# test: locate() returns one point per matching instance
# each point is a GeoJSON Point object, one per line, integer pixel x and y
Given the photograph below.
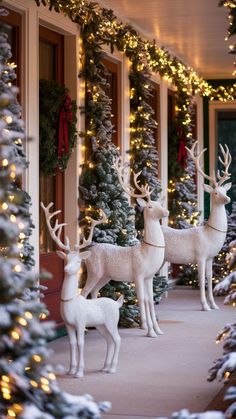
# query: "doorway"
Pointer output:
{"type": "Point", "coordinates": [226, 134]}
{"type": "Point", "coordinates": [51, 67]}
{"type": "Point", "coordinates": [223, 131]}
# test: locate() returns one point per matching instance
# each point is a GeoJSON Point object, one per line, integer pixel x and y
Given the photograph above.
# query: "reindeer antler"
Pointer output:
{"type": "Point", "coordinates": [121, 172]}
{"type": "Point", "coordinates": [88, 241]}
{"type": "Point", "coordinates": [55, 232]}
{"type": "Point", "coordinates": [226, 163]}
{"type": "Point", "coordinates": [196, 160]}
{"type": "Point", "coordinates": [227, 160]}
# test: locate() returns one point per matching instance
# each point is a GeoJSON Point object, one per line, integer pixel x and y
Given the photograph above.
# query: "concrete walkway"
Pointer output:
{"type": "Point", "coordinates": [155, 376]}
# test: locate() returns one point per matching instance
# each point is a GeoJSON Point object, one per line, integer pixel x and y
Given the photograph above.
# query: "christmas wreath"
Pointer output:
{"type": "Point", "coordinates": [57, 126]}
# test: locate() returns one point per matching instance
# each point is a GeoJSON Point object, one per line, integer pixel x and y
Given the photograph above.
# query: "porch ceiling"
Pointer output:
{"type": "Point", "coordinates": [194, 30]}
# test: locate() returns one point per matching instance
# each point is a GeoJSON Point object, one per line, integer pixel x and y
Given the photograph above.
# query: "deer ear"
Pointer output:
{"type": "Point", "coordinates": [207, 188]}
{"type": "Point", "coordinates": [227, 186]}
{"type": "Point", "coordinates": [85, 255]}
{"type": "Point", "coordinates": [142, 203]}
{"type": "Point", "coordinates": [61, 254]}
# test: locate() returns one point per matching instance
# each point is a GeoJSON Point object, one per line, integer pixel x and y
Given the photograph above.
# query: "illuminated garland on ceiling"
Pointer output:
{"type": "Point", "coordinates": [158, 59]}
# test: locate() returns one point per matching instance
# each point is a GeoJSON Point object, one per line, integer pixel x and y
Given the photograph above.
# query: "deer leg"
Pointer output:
{"type": "Point", "coordinates": [150, 330]}
{"type": "Point", "coordinates": [80, 339]}
{"type": "Point", "coordinates": [140, 294]}
{"type": "Point", "coordinates": [201, 279]}
{"type": "Point", "coordinates": [152, 308]}
{"type": "Point", "coordinates": [98, 286]}
{"type": "Point", "coordinates": [115, 337]}
{"type": "Point", "coordinates": [86, 290]}
{"type": "Point", "coordinates": [110, 347]}
{"type": "Point", "coordinates": [209, 284]}
{"type": "Point", "coordinates": [72, 342]}
{"type": "Point", "coordinates": [89, 285]}
{"type": "Point", "coordinates": [117, 340]}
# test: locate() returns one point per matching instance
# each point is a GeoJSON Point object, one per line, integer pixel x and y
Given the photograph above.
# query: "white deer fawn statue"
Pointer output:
{"type": "Point", "coordinates": [78, 312]}
{"type": "Point", "coordinates": [200, 244]}
{"type": "Point", "coordinates": [137, 263]}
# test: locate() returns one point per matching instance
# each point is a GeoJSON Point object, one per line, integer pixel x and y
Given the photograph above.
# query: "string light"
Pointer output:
{"type": "Point", "coordinates": [4, 162]}
{"type": "Point", "coordinates": [227, 374]}
{"type": "Point", "coordinates": [33, 383]}
{"type": "Point", "coordinates": [37, 358]}
{"type": "Point", "coordinates": [15, 334]}
{"type": "Point", "coordinates": [17, 268]}
{"type": "Point", "coordinates": [28, 315]}
{"type": "Point", "coordinates": [22, 321]}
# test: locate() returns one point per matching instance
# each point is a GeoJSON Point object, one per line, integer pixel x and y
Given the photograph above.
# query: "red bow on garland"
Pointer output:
{"type": "Point", "coordinates": [65, 118]}
{"type": "Point", "coordinates": [182, 153]}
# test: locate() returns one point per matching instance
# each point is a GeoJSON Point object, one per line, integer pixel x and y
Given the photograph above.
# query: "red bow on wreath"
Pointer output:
{"type": "Point", "coordinates": [182, 153]}
{"type": "Point", "coordinates": [65, 118]}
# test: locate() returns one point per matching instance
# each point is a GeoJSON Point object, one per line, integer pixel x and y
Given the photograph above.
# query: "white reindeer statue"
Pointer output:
{"type": "Point", "coordinates": [200, 244]}
{"type": "Point", "coordinates": [78, 312]}
{"type": "Point", "coordinates": [137, 263]}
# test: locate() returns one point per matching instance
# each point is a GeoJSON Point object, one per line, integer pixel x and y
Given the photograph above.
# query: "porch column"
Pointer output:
{"type": "Point", "coordinates": [163, 152]}
{"type": "Point", "coordinates": [31, 181]}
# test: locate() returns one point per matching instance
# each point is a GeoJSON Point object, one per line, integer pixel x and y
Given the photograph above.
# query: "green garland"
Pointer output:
{"type": "Point", "coordinates": [112, 32]}
{"type": "Point", "coordinates": [99, 185]}
{"type": "Point", "coordinates": [53, 99]}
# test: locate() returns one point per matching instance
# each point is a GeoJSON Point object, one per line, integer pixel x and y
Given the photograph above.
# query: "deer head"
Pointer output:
{"type": "Point", "coordinates": [152, 209]}
{"type": "Point", "coordinates": [72, 258]}
{"type": "Point", "coordinates": [216, 188]}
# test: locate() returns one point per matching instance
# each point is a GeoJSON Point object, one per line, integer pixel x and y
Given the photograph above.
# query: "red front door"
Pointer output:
{"type": "Point", "coordinates": [51, 64]}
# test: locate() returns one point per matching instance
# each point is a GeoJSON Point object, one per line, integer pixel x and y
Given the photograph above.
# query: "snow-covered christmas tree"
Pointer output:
{"type": "Point", "coordinates": [28, 386]}
{"type": "Point", "coordinates": [221, 269]}
{"type": "Point", "coordinates": [225, 366]}
{"type": "Point", "coordinates": [99, 184]}
{"type": "Point", "coordinates": [182, 192]}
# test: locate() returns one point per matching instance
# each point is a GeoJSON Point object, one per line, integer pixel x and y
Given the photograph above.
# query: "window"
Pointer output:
{"type": "Point", "coordinates": [171, 106]}
{"type": "Point", "coordinates": [13, 28]}
{"type": "Point", "coordinates": [51, 68]}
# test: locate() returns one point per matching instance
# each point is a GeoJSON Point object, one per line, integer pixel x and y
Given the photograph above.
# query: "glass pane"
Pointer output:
{"type": "Point", "coordinates": [226, 129]}
{"type": "Point", "coordinates": [46, 61]}
{"type": "Point", "coordinates": [10, 33]}
{"type": "Point", "coordinates": [13, 34]}
{"type": "Point", "coordinates": [47, 195]}
{"type": "Point", "coordinates": [171, 107]}
{"type": "Point", "coordinates": [47, 186]}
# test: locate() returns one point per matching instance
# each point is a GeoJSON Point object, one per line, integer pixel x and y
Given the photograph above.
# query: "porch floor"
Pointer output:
{"type": "Point", "coordinates": [155, 377]}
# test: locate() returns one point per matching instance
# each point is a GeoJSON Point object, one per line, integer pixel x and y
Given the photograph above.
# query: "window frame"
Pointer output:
{"type": "Point", "coordinates": [14, 19]}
